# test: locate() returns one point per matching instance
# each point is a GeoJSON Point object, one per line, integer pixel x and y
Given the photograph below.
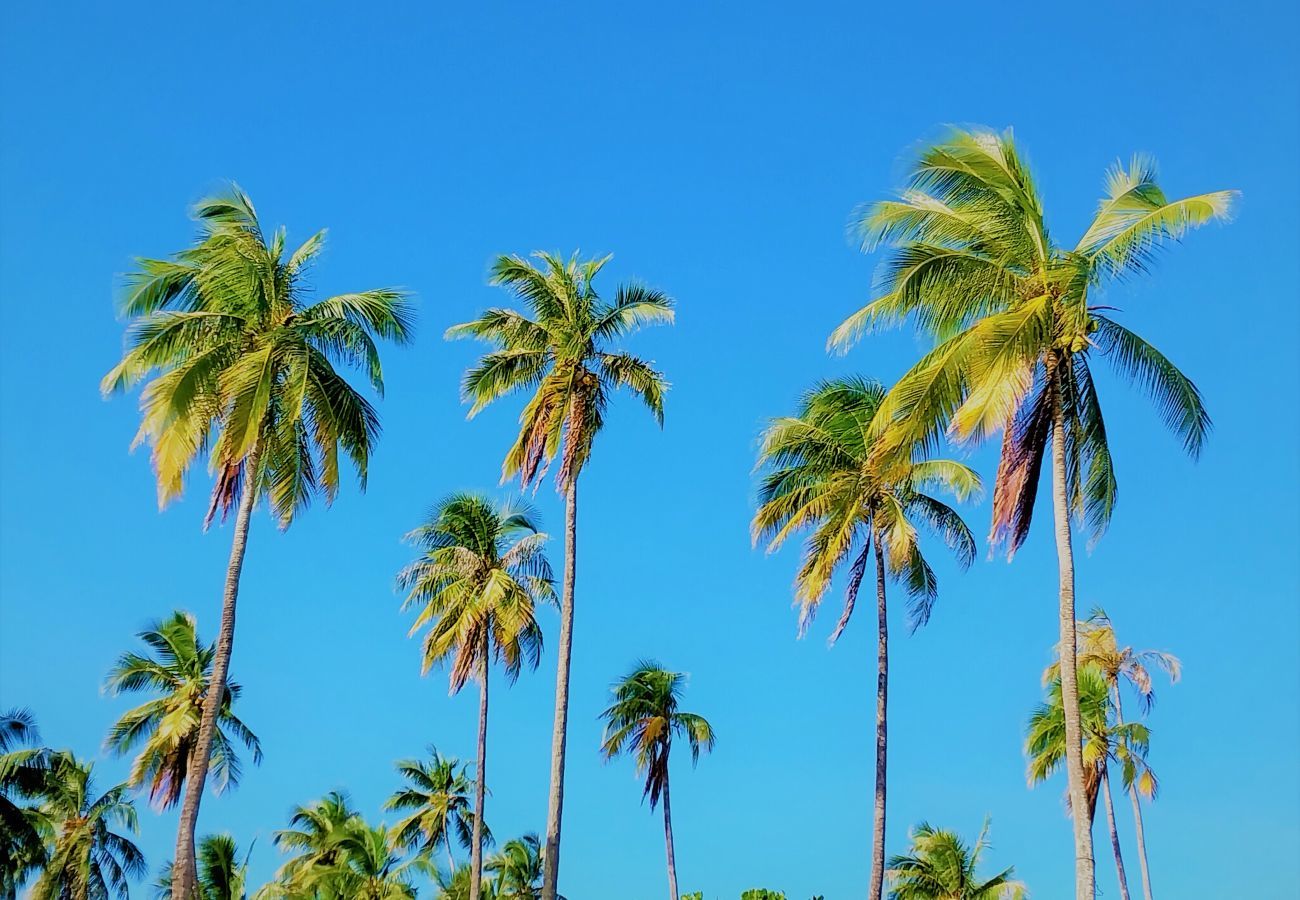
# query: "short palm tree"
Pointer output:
{"type": "Point", "coordinates": [940, 866]}
{"type": "Point", "coordinates": [517, 869]}
{"type": "Point", "coordinates": [437, 802]}
{"type": "Point", "coordinates": [371, 867]}
{"type": "Point", "coordinates": [561, 350]}
{"type": "Point", "coordinates": [24, 767]}
{"type": "Point", "coordinates": [1018, 328]}
{"type": "Point", "coordinates": [90, 856]}
{"type": "Point", "coordinates": [241, 368]}
{"type": "Point", "coordinates": [477, 583]}
{"type": "Point", "coordinates": [314, 837]}
{"type": "Point", "coordinates": [167, 727]}
{"type": "Point", "coordinates": [1099, 648]}
{"type": "Point", "coordinates": [642, 720]}
{"type": "Point", "coordinates": [824, 476]}
{"type": "Point", "coordinates": [1105, 741]}
{"type": "Point", "coordinates": [222, 874]}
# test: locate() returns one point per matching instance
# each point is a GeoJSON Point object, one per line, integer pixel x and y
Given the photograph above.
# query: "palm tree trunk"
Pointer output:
{"type": "Point", "coordinates": [451, 859]}
{"type": "Point", "coordinates": [668, 843]}
{"type": "Point", "coordinates": [480, 789]}
{"type": "Point", "coordinates": [1114, 835]}
{"type": "Point", "coordinates": [555, 805]}
{"type": "Point", "coordinates": [1084, 876]}
{"type": "Point", "coordinates": [184, 874]}
{"type": "Point", "coordinates": [876, 885]}
{"type": "Point", "coordinates": [1137, 809]}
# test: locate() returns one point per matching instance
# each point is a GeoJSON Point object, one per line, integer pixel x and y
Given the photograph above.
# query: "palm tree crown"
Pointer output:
{"type": "Point", "coordinates": [645, 717]}
{"type": "Point", "coordinates": [245, 365]}
{"type": "Point", "coordinates": [940, 866]}
{"type": "Point", "coordinates": [437, 801]}
{"type": "Point", "coordinates": [24, 770]}
{"type": "Point", "coordinates": [823, 474]}
{"type": "Point", "coordinates": [180, 669]}
{"type": "Point", "coordinates": [560, 349]}
{"type": "Point", "coordinates": [222, 874]}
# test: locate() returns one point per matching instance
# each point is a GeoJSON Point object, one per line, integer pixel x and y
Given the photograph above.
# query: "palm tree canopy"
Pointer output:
{"type": "Point", "coordinates": [438, 802]}
{"type": "Point", "coordinates": [478, 581]}
{"type": "Point", "coordinates": [179, 668]}
{"type": "Point", "coordinates": [221, 873]}
{"type": "Point", "coordinates": [560, 348]}
{"type": "Point", "coordinates": [1015, 316]}
{"type": "Point", "coordinates": [1100, 648]}
{"type": "Point", "coordinates": [517, 869]}
{"type": "Point", "coordinates": [940, 866]}
{"type": "Point", "coordinates": [24, 771]}
{"type": "Point", "coordinates": [243, 366]}
{"type": "Point", "coordinates": [90, 855]}
{"type": "Point", "coordinates": [645, 717]}
{"type": "Point", "coordinates": [823, 475]}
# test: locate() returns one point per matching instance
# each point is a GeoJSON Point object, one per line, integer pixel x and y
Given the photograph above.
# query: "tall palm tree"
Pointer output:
{"type": "Point", "coordinates": [90, 857]}
{"type": "Point", "coordinates": [24, 768]}
{"type": "Point", "coordinates": [517, 869]}
{"type": "Point", "coordinates": [437, 800]}
{"type": "Point", "coordinates": [478, 580]}
{"type": "Point", "coordinates": [1099, 648]}
{"type": "Point", "coordinates": [1018, 326]}
{"type": "Point", "coordinates": [242, 370]}
{"type": "Point", "coordinates": [1105, 741]}
{"type": "Point", "coordinates": [167, 727]}
{"type": "Point", "coordinates": [824, 476]}
{"type": "Point", "coordinates": [222, 875]}
{"type": "Point", "coordinates": [561, 350]}
{"type": "Point", "coordinates": [643, 720]}
{"type": "Point", "coordinates": [941, 867]}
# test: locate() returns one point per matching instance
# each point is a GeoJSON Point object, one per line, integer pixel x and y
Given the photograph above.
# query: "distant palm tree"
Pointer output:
{"type": "Point", "coordinates": [168, 726]}
{"type": "Point", "coordinates": [243, 371]}
{"type": "Point", "coordinates": [90, 856]}
{"type": "Point", "coordinates": [222, 875]}
{"type": "Point", "coordinates": [24, 768]}
{"type": "Point", "coordinates": [824, 476]}
{"type": "Point", "coordinates": [371, 868]}
{"type": "Point", "coordinates": [517, 869]}
{"type": "Point", "coordinates": [477, 583]}
{"type": "Point", "coordinates": [561, 351]}
{"type": "Point", "coordinates": [941, 867]}
{"type": "Point", "coordinates": [642, 721]}
{"type": "Point", "coordinates": [437, 798]}
{"type": "Point", "coordinates": [315, 836]}
{"type": "Point", "coordinates": [1018, 327]}
{"type": "Point", "coordinates": [1099, 647]}
{"type": "Point", "coordinates": [1105, 742]}
{"type": "Point", "coordinates": [454, 885]}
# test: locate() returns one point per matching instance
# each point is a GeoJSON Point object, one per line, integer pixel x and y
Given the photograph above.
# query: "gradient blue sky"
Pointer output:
{"type": "Point", "coordinates": [717, 150]}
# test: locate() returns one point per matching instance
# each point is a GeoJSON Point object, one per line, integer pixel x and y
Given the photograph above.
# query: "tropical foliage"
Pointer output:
{"type": "Point", "coordinates": [223, 874]}
{"type": "Point", "coordinates": [437, 801]}
{"type": "Point", "coordinates": [940, 866]}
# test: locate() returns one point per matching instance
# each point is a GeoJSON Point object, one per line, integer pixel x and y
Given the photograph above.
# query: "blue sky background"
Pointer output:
{"type": "Point", "coordinates": [718, 151]}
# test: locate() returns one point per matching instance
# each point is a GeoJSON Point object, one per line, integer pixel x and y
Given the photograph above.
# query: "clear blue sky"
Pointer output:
{"type": "Point", "coordinates": [717, 150]}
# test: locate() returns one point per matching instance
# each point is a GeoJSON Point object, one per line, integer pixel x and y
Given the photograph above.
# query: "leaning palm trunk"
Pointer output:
{"type": "Point", "coordinates": [1114, 834]}
{"type": "Point", "coordinates": [882, 698]}
{"type": "Point", "coordinates": [1084, 880]}
{"type": "Point", "coordinates": [184, 874]}
{"type": "Point", "coordinates": [555, 806]}
{"type": "Point", "coordinates": [480, 789]}
{"type": "Point", "coordinates": [1140, 832]}
{"type": "Point", "coordinates": [668, 843]}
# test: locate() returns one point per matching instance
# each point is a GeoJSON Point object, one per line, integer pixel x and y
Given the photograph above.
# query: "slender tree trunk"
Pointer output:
{"type": "Point", "coordinates": [184, 874]}
{"type": "Point", "coordinates": [555, 806]}
{"type": "Point", "coordinates": [451, 859]}
{"type": "Point", "coordinates": [876, 886]}
{"type": "Point", "coordinates": [1139, 830]}
{"type": "Point", "coordinates": [1114, 834]}
{"type": "Point", "coordinates": [1084, 877]}
{"type": "Point", "coordinates": [480, 789]}
{"type": "Point", "coordinates": [668, 843]}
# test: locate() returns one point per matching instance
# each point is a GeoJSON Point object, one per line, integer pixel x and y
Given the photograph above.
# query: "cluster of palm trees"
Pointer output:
{"type": "Point", "coordinates": [241, 368]}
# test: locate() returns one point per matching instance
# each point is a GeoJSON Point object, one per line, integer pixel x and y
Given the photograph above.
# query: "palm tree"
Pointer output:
{"type": "Point", "coordinates": [222, 876]}
{"type": "Point", "coordinates": [167, 727]}
{"type": "Point", "coordinates": [437, 798]}
{"type": "Point", "coordinates": [372, 868]}
{"type": "Point", "coordinates": [89, 857]}
{"type": "Point", "coordinates": [24, 768]}
{"type": "Point", "coordinates": [560, 350]}
{"type": "Point", "coordinates": [1017, 325]}
{"type": "Point", "coordinates": [643, 720]}
{"type": "Point", "coordinates": [824, 475]}
{"type": "Point", "coordinates": [315, 835]}
{"type": "Point", "coordinates": [1099, 648]}
{"type": "Point", "coordinates": [517, 869]}
{"type": "Point", "coordinates": [454, 885]}
{"type": "Point", "coordinates": [1105, 741]}
{"type": "Point", "coordinates": [941, 867]}
{"type": "Point", "coordinates": [478, 580]}
{"type": "Point", "coordinates": [243, 370]}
